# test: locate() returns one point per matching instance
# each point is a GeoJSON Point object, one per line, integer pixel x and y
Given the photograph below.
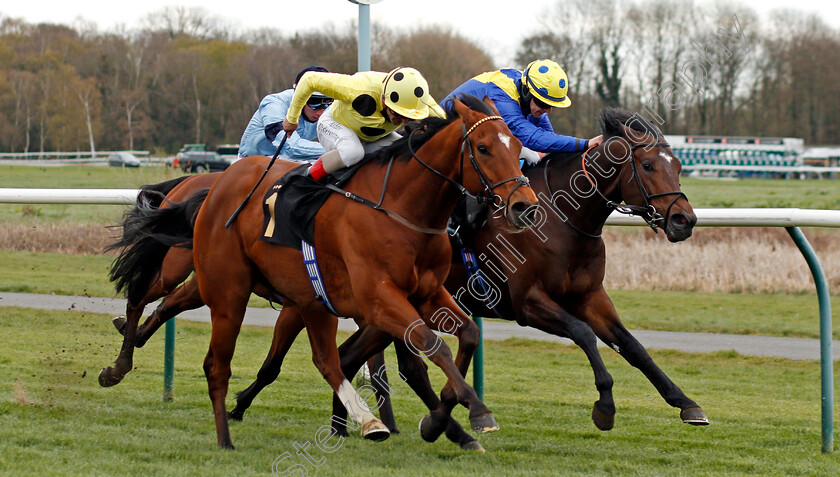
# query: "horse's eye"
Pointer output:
{"type": "Point", "coordinates": [646, 165]}
{"type": "Point", "coordinates": [483, 149]}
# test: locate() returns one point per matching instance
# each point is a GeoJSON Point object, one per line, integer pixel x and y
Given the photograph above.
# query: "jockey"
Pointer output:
{"type": "Point", "coordinates": [261, 136]}
{"type": "Point", "coordinates": [369, 107]}
{"type": "Point", "coordinates": [524, 99]}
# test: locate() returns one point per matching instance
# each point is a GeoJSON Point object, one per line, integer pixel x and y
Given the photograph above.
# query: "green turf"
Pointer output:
{"type": "Point", "coordinates": [805, 194]}
{"type": "Point", "coordinates": [765, 412]}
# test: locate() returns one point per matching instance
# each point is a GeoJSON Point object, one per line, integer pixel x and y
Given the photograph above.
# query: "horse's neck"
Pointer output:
{"type": "Point", "coordinates": [572, 194]}
{"type": "Point", "coordinates": [417, 193]}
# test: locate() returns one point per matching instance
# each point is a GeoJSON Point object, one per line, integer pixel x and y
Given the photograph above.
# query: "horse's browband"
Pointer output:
{"type": "Point", "coordinates": [479, 122]}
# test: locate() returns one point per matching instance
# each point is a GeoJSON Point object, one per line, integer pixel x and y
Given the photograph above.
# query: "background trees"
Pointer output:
{"type": "Point", "coordinates": [185, 76]}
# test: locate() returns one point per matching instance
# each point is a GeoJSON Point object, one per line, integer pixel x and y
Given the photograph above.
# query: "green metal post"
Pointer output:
{"type": "Point", "coordinates": [478, 367]}
{"type": "Point", "coordinates": [169, 360]}
{"type": "Point", "coordinates": [826, 364]}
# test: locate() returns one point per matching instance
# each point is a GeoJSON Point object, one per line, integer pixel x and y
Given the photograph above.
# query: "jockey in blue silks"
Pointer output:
{"type": "Point", "coordinates": [524, 99]}
{"type": "Point", "coordinates": [265, 129]}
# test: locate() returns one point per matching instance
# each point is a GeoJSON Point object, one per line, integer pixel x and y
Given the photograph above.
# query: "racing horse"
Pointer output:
{"type": "Point", "coordinates": [551, 278]}
{"type": "Point", "coordinates": [391, 279]}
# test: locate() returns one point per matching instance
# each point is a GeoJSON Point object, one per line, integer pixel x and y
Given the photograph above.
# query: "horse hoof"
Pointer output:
{"type": "Point", "coordinates": [340, 431]}
{"type": "Point", "coordinates": [694, 416]}
{"type": "Point", "coordinates": [472, 446]}
{"type": "Point", "coordinates": [484, 423]}
{"type": "Point", "coordinates": [428, 430]}
{"type": "Point", "coordinates": [119, 324]}
{"type": "Point", "coordinates": [375, 431]}
{"type": "Point", "coordinates": [107, 378]}
{"type": "Point", "coordinates": [603, 420]}
{"type": "Point", "coordinates": [236, 415]}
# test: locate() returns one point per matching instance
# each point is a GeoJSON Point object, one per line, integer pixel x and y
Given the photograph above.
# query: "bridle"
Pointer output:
{"type": "Point", "coordinates": [647, 211]}
{"type": "Point", "coordinates": [487, 195]}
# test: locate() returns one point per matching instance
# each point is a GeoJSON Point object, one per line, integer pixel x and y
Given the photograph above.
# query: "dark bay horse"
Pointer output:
{"type": "Point", "coordinates": [392, 279]}
{"type": "Point", "coordinates": [551, 278]}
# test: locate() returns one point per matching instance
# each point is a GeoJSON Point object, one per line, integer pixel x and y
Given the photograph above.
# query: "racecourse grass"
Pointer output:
{"type": "Point", "coordinates": [765, 412]}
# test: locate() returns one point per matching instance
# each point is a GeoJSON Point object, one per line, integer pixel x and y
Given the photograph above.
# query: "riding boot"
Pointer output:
{"type": "Point", "coordinates": [328, 163]}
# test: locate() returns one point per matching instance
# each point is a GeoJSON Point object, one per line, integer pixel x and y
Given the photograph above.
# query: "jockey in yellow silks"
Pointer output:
{"type": "Point", "coordinates": [368, 108]}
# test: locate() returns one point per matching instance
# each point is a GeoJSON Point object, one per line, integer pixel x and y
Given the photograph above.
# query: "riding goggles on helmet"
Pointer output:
{"type": "Point", "coordinates": [320, 102]}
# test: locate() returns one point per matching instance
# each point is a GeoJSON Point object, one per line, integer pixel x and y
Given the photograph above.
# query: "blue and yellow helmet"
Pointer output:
{"type": "Point", "coordinates": [547, 82]}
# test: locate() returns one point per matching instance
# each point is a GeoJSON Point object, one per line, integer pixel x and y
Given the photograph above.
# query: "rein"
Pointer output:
{"type": "Point", "coordinates": [647, 212]}
{"type": "Point", "coordinates": [488, 187]}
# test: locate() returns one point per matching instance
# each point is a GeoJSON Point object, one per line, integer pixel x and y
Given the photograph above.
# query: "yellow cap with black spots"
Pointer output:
{"type": "Point", "coordinates": [547, 81]}
{"type": "Point", "coordinates": [407, 93]}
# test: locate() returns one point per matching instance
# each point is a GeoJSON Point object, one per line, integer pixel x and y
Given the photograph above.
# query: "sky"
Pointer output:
{"type": "Point", "coordinates": [496, 26]}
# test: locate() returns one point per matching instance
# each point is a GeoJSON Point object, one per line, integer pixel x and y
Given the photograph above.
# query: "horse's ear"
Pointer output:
{"type": "Point", "coordinates": [462, 109]}
{"type": "Point", "coordinates": [492, 105]}
{"type": "Point", "coordinates": [635, 136]}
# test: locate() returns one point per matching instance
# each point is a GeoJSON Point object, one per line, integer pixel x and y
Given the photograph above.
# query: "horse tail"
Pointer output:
{"type": "Point", "coordinates": [148, 191]}
{"type": "Point", "coordinates": [148, 233]}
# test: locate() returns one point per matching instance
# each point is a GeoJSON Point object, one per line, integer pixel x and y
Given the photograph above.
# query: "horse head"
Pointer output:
{"type": "Point", "coordinates": [649, 179]}
{"type": "Point", "coordinates": [493, 152]}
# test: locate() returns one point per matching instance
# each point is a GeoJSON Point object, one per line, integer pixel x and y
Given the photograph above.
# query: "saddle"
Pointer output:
{"type": "Point", "coordinates": [290, 205]}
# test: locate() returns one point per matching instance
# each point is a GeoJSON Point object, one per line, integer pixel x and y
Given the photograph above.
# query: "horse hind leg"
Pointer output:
{"type": "Point", "coordinates": [113, 375]}
{"type": "Point", "coordinates": [288, 326]}
{"type": "Point", "coordinates": [381, 389]}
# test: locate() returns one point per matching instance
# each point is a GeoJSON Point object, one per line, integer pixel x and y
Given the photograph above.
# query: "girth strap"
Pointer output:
{"type": "Point", "coordinates": [314, 272]}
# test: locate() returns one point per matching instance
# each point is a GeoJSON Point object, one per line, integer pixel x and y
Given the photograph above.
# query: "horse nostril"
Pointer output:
{"type": "Point", "coordinates": [524, 212]}
{"type": "Point", "coordinates": [681, 221]}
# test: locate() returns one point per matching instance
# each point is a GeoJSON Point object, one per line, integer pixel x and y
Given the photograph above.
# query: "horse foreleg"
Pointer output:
{"type": "Point", "coordinates": [382, 390]}
{"type": "Point", "coordinates": [413, 371]}
{"type": "Point", "coordinates": [600, 313]}
{"type": "Point", "coordinates": [541, 312]}
{"type": "Point", "coordinates": [387, 308]}
{"type": "Point", "coordinates": [288, 326]}
{"type": "Point", "coordinates": [443, 314]}
{"type": "Point", "coordinates": [367, 341]}
{"type": "Point", "coordinates": [321, 327]}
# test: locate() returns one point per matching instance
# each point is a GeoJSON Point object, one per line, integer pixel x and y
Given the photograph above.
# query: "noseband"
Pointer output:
{"type": "Point", "coordinates": [487, 195]}
{"type": "Point", "coordinates": [647, 212]}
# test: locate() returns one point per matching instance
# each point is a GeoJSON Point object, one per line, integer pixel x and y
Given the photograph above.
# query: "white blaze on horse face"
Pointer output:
{"type": "Point", "coordinates": [505, 139]}
{"type": "Point", "coordinates": [356, 406]}
{"type": "Point", "coordinates": [668, 158]}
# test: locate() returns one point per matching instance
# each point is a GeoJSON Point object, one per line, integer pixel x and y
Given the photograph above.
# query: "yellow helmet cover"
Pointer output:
{"type": "Point", "coordinates": [407, 93]}
{"type": "Point", "coordinates": [548, 82]}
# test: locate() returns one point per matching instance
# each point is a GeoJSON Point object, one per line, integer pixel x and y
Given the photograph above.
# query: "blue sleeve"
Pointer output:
{"type": "Point", "coordinates": [301, 144]}
{"type": "Point", "coordinates": [539, 135]}
{"type": "Point", "coordinates": [298, 146]}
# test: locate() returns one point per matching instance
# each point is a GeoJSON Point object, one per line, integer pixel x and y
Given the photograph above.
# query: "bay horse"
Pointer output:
{"type": "Point", "coordinates": [552, 279]}
{"type": "Point", "coordinates": [143, 285]}
{"type": "Point", "coordinates": [391, 279]}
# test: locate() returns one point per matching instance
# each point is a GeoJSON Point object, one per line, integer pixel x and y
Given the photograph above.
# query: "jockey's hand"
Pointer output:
{"type": "Point", "coordinates": [288, 127]}
{"type": "Point", "coordinates": [595, 140]}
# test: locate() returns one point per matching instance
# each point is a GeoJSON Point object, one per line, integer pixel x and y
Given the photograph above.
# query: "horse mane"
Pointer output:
{"type": "Point", "coordinates": [613, 118]}
{"type": "Point", "coordinates": [425, 129]}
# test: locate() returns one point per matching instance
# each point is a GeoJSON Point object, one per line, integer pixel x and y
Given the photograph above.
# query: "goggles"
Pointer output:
{"type": "Point", "coordinates": [319, 103]}
{"type": "Point", "coordinates": [540, 104]}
